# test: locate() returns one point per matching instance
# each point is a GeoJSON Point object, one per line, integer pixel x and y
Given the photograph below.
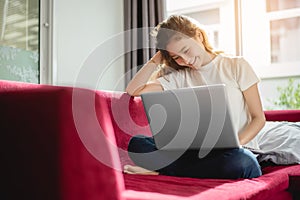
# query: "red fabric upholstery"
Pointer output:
{"type": "Point", "coordinates": [128, 118]}
{"type": "Point", "coordinates": [283, 115]}
{"type": "Point", "coordinates": [177, 188]}
{"type": "Point", "coordinates": [294, 175]}
{"type": "Point", "coordinates": [70, 143]}
{"type": "Point", "coordinates": [42, 154]}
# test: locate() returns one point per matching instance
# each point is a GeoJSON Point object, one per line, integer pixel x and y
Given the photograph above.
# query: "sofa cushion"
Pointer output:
{"type": "Point", "coordinates": [166, 187]}
{"type": "Point", "coordinates": [293, 172]}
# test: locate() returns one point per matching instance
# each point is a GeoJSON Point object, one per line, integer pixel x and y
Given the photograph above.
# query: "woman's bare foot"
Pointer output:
{"type": "Point", "coordinates": [129, 169]}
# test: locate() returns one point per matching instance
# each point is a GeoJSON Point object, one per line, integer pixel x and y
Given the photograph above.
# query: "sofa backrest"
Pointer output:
{"type": "Point", "coordinates": [283, 115]}
{"type": "Point", "coordinates": [128, 118]}
{"type": "Point", "coordinates": [15, 85]}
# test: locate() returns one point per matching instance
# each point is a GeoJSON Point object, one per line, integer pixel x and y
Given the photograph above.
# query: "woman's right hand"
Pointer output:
{"type": "Point", "coordinates": [139, 83]}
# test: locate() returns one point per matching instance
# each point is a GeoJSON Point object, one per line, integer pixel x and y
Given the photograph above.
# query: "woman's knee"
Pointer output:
{"type": "Point", "coordinates": [141, 144]}
{"type": "Point", "coordinates": [245, 164]}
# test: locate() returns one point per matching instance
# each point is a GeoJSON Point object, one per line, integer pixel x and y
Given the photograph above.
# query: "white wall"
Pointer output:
{"type": "Point", "coordinates": [81, 27]}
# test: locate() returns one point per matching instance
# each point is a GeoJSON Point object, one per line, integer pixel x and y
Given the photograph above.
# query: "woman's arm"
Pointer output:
{"type": "Point", "coordinates": [258, 120]}
{"type": "Point", "coordinates": [139, 83]}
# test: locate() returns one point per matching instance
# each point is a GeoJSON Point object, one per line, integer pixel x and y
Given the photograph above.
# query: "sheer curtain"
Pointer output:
{"type": "Point", "coordinates": [141, 16]}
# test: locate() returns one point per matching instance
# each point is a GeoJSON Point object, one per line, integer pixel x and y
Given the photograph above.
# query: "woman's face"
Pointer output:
{"type": "Point", "coordinates": [188, 52]}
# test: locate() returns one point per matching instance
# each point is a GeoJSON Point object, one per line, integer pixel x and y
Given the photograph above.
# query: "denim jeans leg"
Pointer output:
{"type": "Point", "coordinates": [230, 164]}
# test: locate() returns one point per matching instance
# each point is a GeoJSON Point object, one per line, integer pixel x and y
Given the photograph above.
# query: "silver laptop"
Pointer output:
{"type": "Point", "coordinates": [191, 118]}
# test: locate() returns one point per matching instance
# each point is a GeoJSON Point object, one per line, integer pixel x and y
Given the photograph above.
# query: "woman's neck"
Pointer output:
{"type": "Point", "coordinates": [208, 58]}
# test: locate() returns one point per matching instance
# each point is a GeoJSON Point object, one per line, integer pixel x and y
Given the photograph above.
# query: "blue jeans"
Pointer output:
{"type": "Point", "coordinates": [227, 164]}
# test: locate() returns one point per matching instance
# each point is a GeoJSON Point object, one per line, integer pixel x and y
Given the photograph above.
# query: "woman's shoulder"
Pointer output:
{"type": "Point", "coordinates": [232, 61]}
{"type": "Point", "coordinates": [233, 65]}
{"type": "Point", "coordinates": [231, 58]}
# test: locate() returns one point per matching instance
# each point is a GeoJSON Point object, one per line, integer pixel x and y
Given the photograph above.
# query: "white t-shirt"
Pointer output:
{"type": "Point", "coordinates": [235, 72]}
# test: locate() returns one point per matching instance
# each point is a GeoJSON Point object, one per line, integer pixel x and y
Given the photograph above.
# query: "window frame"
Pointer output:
{"type": "Point", "coordinates": [46, 42]}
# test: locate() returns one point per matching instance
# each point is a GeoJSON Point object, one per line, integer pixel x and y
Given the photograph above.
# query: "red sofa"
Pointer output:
{"type": "Point", "coordinates": [70, 144]}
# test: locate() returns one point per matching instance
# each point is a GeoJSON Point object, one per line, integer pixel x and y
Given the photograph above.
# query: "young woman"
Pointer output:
{"type": "Point", "coordinates": [187, 59]}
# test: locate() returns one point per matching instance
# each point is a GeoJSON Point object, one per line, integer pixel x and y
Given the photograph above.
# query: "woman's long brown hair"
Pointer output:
{"type": "Point", "coordinates": [177, 27]}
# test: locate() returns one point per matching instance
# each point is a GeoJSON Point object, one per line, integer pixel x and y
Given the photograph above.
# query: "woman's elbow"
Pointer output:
{"type": "Point", "coordinates": [259, 119]}
{"type": "Point", "coordinates": [131, 92]}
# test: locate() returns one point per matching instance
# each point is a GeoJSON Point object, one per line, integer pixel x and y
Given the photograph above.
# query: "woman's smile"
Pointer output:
{"type": "Point", "coordinates": [193, 63]}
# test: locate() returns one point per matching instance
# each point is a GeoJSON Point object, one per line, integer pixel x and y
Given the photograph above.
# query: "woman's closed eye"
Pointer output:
{"type": "Point", "coordinates": [186, 51]}
{"type": "Point", "coordinates": [176, 57]}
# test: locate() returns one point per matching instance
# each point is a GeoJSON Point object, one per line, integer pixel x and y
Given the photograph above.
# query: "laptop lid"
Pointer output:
{"type": "Point", "coordinates": [190, 118]}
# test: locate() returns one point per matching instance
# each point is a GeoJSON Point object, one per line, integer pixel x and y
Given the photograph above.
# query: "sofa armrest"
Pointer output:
{"type": "Point", "coordinates": [42, 154]}
{"type": "Point", "coordinates": [283, 115]}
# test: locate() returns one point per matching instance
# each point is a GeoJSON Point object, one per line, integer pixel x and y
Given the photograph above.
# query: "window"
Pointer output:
{"type": "Point", "coordinates": [266, 32]}
{"type": "Point", "coordinates": [22, 37]}
{"type": "Point", "coordinates": [19, 47]}
{"type": "Point", "coordinates": [284, 17]}
{"type": "Point", "coordinates": [271, 36]}
{"type": "Point", "coordinates": [284, 35]}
